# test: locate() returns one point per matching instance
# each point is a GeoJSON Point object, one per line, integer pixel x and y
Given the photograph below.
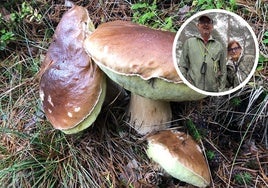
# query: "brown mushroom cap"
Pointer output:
{"type": "Point", "coordinates": [180, 156]}
{"type": "Point", "coordinates": [139, 59]}
{"type": "Point", "coordinates": [133, 41]}
{"type": "Point", "coordinates": [72, 87]}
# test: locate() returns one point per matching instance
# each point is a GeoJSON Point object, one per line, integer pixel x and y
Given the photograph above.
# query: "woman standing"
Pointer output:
{"type": "Point", "coordinates": [239, 64]}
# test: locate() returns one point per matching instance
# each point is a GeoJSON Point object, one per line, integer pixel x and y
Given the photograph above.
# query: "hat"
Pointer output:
{"type": "Point", "coordinates": [205, 17]}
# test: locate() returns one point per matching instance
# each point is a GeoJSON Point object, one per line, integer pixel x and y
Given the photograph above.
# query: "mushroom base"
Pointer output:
{"type": "Point", "coordinates": [147, 115]}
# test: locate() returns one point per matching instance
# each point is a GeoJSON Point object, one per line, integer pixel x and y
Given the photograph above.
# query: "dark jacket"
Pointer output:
{"type": "Point", "coordinates": [238, 71]}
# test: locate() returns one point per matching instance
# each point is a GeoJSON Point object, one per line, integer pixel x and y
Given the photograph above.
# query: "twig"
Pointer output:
{"type": "Point", "coordinates": [262, 171]}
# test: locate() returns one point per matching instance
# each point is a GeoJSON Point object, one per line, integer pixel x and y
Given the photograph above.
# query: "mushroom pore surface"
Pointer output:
{"type": "Point", "coordinates": [180, 156]}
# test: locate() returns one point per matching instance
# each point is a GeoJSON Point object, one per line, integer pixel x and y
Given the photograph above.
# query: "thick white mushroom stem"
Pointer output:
{"type": "Point", "coordinates": [147, 115]}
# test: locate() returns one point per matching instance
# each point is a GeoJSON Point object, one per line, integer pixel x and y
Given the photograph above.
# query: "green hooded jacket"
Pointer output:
{"type": "Point", "coordinates": [202, 65]}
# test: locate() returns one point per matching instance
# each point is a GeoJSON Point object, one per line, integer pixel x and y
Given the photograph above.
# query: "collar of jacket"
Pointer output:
{"type": "Point", "coordinates": [210, 38]}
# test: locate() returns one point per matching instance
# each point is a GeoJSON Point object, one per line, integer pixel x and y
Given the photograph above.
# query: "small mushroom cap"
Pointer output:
{"type": "Point", "coordinates": [180, 156]}
{"type": "Point", "coordinates": [72, 87]}
{"type": "Point", "coordinates": [139, 59]}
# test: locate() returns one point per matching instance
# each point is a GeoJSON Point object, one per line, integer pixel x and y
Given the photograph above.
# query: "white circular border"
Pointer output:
{"type": "Point", "coordinates": [241, 20]}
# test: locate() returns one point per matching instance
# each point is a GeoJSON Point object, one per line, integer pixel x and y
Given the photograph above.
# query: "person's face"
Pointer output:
{"type": "Point", "coordinates": [234, 52]}
{"type": "Point", "coordinates": [205, 27]}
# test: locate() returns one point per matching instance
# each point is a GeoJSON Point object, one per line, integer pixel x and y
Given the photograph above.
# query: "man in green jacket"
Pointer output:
{"type": "Point", "coordinates": [202, 61]}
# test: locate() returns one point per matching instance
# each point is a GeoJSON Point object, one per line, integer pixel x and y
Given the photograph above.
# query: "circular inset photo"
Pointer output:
{"type": "Point", "coordinates": [215, 52]}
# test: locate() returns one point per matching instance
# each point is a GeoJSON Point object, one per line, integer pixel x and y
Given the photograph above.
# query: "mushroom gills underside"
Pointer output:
{"type": "Point", "coordinates": [156, 88]}
{"type": "Point", "coordinates": [92, 116]}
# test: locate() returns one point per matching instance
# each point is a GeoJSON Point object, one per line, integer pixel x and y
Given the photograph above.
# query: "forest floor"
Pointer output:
{"type": "Point", "coordinates": [232, 129]}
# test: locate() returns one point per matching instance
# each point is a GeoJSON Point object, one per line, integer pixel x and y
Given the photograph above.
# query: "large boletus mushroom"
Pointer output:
{"type": "Point", "coordinates": [140, 59]}
{"type": "Point", "coordinates": [72, 87]}
{"type": "Point", "coordinates": [180, 156]}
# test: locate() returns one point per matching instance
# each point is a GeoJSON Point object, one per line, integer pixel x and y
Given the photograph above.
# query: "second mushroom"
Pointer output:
{"type": "Point", "coordinates": [140, 59]}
